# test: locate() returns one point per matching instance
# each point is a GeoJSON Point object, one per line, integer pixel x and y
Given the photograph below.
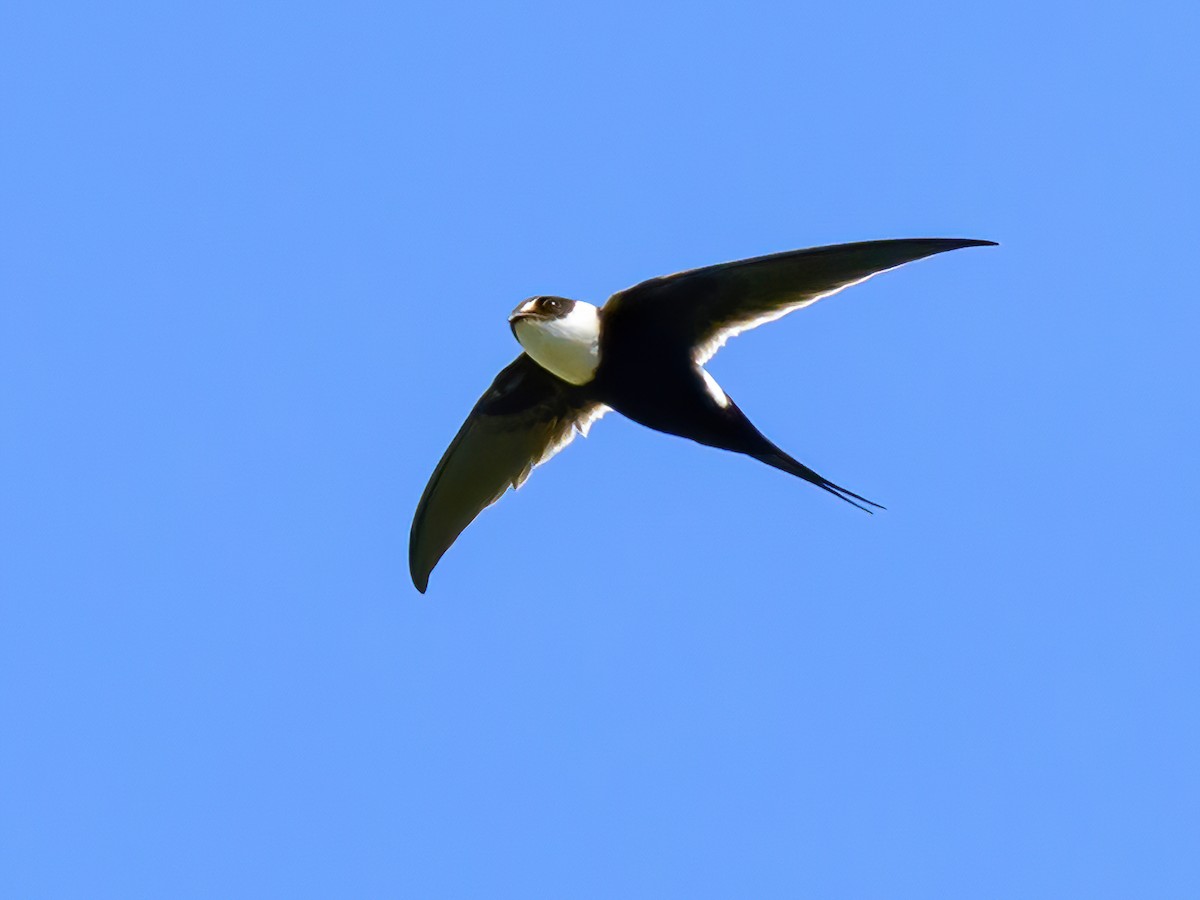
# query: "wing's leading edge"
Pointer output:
{"type": "Point", "coordinates": [703, 308]}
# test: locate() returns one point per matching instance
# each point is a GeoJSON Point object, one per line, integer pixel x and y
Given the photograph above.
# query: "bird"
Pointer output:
{"type": "Point", "coordinates": [641, 354]}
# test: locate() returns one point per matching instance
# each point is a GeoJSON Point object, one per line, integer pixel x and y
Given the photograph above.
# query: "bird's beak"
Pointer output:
{"type": "Point", "coordinates": [524, 311]}
{"type": "Point", "coordinates": [517, 315]}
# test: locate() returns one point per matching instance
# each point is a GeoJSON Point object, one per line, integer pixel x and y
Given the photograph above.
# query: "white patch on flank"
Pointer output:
{"type": "Point", "coordinates": [569, 347]}
{"type": "Point", "coordinates": [584, 423]}
{"type": "Point", "coordinates": [714, 389]}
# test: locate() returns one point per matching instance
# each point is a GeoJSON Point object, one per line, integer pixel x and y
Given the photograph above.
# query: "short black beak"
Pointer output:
{"type": "Point", "coordinates": [518, 314]}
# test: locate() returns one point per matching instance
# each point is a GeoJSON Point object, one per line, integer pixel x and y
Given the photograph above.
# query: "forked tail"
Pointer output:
{"type": "Point", "coordinates": [780, 460]}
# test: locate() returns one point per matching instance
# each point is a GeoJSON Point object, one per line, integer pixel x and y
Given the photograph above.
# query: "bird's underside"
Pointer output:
{"type": "Point", "coordinates": [641, 355]}
{"type": "Point", "coordinates": [684, 400]}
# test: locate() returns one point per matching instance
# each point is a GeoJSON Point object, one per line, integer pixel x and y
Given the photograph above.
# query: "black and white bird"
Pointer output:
{"type": "Point", "coordinates": [642, 355]}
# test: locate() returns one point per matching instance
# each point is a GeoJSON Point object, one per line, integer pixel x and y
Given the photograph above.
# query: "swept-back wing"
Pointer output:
{"type": "Point", "coordinates": [703, 308]}
{"type": "Point", "coordinates": [523, 419]}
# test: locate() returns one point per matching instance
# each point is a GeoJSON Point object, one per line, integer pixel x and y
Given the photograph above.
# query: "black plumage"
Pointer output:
{"type": "Point", "coordinates": [653, 340]}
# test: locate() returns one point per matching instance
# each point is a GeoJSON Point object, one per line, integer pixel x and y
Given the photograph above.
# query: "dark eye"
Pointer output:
{"type": "Point", "coordinates": [552, 304]}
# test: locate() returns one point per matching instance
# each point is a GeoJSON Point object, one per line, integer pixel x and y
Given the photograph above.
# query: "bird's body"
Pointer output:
{"type": "Point", "coordinates": [681, 398]}
{"type": "Point", "coordinates": [664, 394]}
{"type": "Point", "coordinates": [676, 397]}
{"type": "Point", "coordinates": [641, 355]}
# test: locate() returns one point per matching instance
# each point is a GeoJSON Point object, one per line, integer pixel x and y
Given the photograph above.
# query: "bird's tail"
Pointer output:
{"type": "Point", "coordinates": [780, 460]}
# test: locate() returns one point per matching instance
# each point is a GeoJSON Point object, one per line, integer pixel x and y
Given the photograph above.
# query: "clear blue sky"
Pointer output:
{"type": "Point", "coordinates": [256, 264]}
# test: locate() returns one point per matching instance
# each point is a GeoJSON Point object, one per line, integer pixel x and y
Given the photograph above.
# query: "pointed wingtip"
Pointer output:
{"type": "Point", "coordinates": [935, 246]}
{"type": "Point", "coordinates": [420, 566]}
{"type": "Point", "coordinates": [941, 244]}
{"type": "Point", "coordinates": [421, 584]}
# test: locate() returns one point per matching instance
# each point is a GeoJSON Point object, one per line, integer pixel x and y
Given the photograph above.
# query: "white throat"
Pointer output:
{"type": "Point", "coordinates": [569, 347]}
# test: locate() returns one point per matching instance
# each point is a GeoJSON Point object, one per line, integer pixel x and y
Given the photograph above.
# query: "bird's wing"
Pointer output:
{"type": "Point", "coordinates": [706, 307]}
{"type": "Point", "coordinates": [523, 419]}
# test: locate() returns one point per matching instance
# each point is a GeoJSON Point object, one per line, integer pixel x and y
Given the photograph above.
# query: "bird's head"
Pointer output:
{"type": "Point", "coordinates": [562, 336]}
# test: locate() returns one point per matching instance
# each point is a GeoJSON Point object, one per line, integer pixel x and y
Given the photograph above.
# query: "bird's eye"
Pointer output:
{"type": "Point", "coordinates": [552, 304]}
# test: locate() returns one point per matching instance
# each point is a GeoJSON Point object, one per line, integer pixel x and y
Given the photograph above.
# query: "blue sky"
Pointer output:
{"type": "Point", "coordinates": [257, 263]}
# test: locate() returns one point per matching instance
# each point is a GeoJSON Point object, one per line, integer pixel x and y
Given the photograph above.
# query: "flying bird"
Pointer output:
{"type": "Point", "coordinates": [641, 354]}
